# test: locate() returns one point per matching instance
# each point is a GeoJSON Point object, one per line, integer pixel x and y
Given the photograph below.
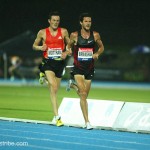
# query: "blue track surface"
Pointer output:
{"type": "Point", "coordinates": [49, 137]}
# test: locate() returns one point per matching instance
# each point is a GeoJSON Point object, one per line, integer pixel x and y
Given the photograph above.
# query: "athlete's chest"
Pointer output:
{"type": "Point", "coordinates": [54, 36]}
{"type": "Point", "coordinates": [85, 42]}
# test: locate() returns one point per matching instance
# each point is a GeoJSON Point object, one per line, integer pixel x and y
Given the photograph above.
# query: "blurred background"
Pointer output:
{"type": "Point", "coordinates": [123, 26]}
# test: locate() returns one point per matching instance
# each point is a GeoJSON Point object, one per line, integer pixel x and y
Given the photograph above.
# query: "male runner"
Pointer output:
{"type": "Point", "coordinates": [53, 40]}
{"type": "Point", "coordinates": [84, 53]}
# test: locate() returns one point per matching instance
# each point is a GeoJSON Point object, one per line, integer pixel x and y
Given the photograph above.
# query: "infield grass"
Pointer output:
{"type": "Point", "coordinates": [33, 102]}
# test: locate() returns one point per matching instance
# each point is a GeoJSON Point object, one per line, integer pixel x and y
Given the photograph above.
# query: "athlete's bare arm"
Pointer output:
{"type": "Point", "coordinates": [65, 35]}
{"type": "Point", "coordinates": [73, 41]}
{"type": "Point", "coordinates": [66, 39]}
{"type": "Point", "coordinates": [40, 38]}
{"type": "Point", "coordinates": [99, 44]}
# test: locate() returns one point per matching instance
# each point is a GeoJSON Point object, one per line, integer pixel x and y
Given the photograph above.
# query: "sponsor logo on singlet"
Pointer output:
{"type": "Point", "coordinates": [85, 54]}
{"type": "Point", "coordinates": [90, 41]}
{"type": "Point", "coordinates": [59, 37]}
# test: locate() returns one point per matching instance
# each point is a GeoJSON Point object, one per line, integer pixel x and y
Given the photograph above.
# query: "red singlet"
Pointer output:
{"type": "Point", "coordinates": [55, 44]}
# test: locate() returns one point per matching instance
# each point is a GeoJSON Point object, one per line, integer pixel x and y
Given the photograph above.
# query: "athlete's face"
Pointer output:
{"type": "Point", "coordinates": [86, 24]}
{"type": "Point", "coordinates": [54, 22]}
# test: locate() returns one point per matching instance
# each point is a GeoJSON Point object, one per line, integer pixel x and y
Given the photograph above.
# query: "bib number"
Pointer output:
{"type": "Point", "coordinates": [85, 54]}
{"type": "Point", "coordinates": [54, 53]}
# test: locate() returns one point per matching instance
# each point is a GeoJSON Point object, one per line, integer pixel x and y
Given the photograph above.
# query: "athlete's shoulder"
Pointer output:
{"type": "Point", "coordinates": [75, 33]}
{"type": "Point", "coordinates": [95, 33]}
{"type": "Point", "coordinates": [63, 29]}
{"type": "Point", "coordinates": [41, 32]}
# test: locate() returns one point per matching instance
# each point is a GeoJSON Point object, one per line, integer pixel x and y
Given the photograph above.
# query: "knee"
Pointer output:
{"type": "Point", "coordinates": [83, 94]}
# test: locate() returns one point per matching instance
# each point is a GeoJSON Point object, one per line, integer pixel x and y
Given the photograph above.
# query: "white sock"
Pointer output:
{"type": "Point", "coordinates": [57, 117]}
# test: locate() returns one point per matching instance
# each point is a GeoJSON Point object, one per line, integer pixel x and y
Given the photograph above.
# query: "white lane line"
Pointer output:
{"type": "Point", "coordinates": [66, 142]}
{"type": "Point", "coordinates": [69, 136]}
{"type": "Point", "coordinates": [77, 131]}
{"type": "Point", "coordinates": [47, 148]}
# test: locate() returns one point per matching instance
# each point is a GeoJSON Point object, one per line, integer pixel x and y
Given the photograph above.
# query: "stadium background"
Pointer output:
{"type": "Point", "coordinates": [123, 26]}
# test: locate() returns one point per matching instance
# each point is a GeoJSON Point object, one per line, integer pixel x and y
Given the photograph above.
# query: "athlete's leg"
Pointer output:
{"type": "Point", "coordinates": [80, 80]}
{"type": "Point", "coordinates": [42, 77]}
{"type": "Point", "coordinates": [71, 83]}
{"type": "Point", "coordinates": [88, 86]}
{"type": "Point", "coordinates": [53, 83]}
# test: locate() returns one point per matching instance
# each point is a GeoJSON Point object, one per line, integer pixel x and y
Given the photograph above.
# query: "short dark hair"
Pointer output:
{"type": "Point", "coordinates": [54, 13]}
{"type": "Point", "coordinates": [84, 15]}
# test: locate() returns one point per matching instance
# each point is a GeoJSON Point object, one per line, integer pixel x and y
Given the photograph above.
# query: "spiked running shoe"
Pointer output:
{"type": "Point", "coordinates": [59, 123]}
{"type": "Point", "coordinates": [42, 78]}
{"type": "Point", "coordinates": [88, 126]}
{"type": "Point", "coordinates": [70, 85]}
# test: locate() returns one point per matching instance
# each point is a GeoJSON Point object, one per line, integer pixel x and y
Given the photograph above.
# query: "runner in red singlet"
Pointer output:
{"type": "Point", "coordinates": [53, 41]}
{"type": "Point", "coordinates": [84, 56]}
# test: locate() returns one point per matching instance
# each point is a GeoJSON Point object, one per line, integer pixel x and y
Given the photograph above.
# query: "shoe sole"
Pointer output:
{"type": "Point", "coordinates": [60, 125]}
{"type": "Point", "coordinates": [89, 128]}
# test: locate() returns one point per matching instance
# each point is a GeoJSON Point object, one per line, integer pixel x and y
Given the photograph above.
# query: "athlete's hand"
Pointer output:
{"type": "Point", "coordinates": [44, 47]}
{"type": "Point", "coordinates": [95, 56]}
{"type": "Point", "coordinates": [63, 55]}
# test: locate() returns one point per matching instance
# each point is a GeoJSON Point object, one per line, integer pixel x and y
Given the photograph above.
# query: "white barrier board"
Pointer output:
{"type": "Point", "coordinates": [134, 117]}
{"type": "Point", "coordinates": [102, 113]}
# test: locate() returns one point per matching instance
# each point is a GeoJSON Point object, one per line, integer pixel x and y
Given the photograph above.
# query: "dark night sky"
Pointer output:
{"type": "Point", "coordinates": [119, 22]}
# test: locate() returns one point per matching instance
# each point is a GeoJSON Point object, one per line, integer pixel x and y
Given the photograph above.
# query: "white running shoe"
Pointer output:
{"type": "Point", "coordinates": [68, 87]}
{"type": "Point", "coordinates": [88, 126]}
{"type": "Point", "coordinates": [71, 84]}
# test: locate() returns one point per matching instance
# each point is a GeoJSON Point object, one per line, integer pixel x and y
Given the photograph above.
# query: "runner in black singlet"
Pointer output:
{"type": "Point", "coordinates": [84, 54]}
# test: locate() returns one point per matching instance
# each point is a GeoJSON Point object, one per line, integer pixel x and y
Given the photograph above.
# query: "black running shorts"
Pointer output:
{"type": "Point", "coordinates": [57, 66]}
{"type": "Point", "coordinates": [88, 74]}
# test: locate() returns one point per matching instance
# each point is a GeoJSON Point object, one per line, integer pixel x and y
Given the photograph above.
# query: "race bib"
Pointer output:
{"type": "Point", "coordinates": [54, 53]}
{"type": "Point", "coordinates": [85, 54]}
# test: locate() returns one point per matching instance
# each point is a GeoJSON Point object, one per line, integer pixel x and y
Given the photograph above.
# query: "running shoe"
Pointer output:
{"type": "Point", "coordinates": [70, 85]}
{"type": "Point", "coordinates": [59, 123]}
{"type": "Point", "coordinates": [88, 126]}
{"type": "Point", "coordinates": [42, 78]}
